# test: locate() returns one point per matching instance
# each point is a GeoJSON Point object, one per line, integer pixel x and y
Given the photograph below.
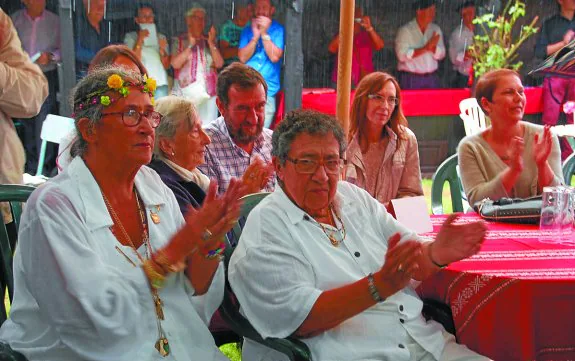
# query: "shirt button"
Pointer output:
{"type": "Point", "coordinates": [400, 346]}
{"type": "Point", "coordinates": [401, 320]}
{"type": "Point", "coordinates": [357, 254]}
{"type": "Point", "coordinates": [306, 217]}
{"type": "Point", "coordinates": [401, 308]}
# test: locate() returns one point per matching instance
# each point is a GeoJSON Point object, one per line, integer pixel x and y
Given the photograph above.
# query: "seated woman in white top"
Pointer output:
{"type": "Point", "coordinates": [107, 268]}
{"type": "Point", "coordinates": [322, 260]}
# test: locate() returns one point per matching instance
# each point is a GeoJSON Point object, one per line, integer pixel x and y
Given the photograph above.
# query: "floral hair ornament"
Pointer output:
{"type": "Point", "coordinates": [116, 83]}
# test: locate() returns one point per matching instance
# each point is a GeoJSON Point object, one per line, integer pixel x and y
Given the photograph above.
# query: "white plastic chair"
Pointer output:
{"type": "Point", "coordinates": [472, 116]}
{"type": "Point", "coordinates": [54, 129]}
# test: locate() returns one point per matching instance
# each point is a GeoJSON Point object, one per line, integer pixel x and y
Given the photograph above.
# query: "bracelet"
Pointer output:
{"type": "Point", "coordinates": [431, 258]}
{"type": "Point", "coordinates": [154, 277]}
{"type": "Point", "coordinates": [373, 290]}
{"type": "Point", "coordinates": [216, 252]}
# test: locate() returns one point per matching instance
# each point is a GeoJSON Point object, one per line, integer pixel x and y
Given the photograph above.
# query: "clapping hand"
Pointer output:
{"type": "Point", "coordinates": [542, 146]}
{"type": "Point", "coordinates": [455, 242]}
{"type": "Point", "coordinates": [257, 175]}
{"type": "Point", "coordinates": [401, 263]}
{"type": "Point", "coordinates": [256, 27]}
{"type": "Point", "coordinates": [516, 147]}
{"type": "Point", "coordinates": [365, 22]}
{"type": "Point", "coordinates": [569, 35]}
{"type": "Point", "coordinates": [212, 36]}
{"type": "Point", "coordinates": [216, 217]}
{"type": "Point", "coordinates": [264, 23]}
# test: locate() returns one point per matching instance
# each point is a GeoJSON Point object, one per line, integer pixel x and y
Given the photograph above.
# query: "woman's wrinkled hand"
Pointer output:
{"type": "Point", "coordinates": [257, 175]}
{"type": "Point", "coordinates": [542, 146]}
{"type": "Point", "coordinates": [401, 263]}
{"type": "Point", "coordinates": [215, 217]}
{"type": "Point", "coordinates": [455, 242]}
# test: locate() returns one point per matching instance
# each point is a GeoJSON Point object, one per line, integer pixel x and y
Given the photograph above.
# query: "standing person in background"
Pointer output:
{"type": "Point", "coordinates": [39, 32]}
{"type": "Point", "coordinates": [92, 33]}
{"type": "Point", "coordinates": [150, 47]}
{"type": "Point", "coordinates": [557, 31]}
{"type": "Point", "coordinates": [196, 59]}
{"type": "Point", "coordinates": [419, 48]}
{"type": "Point", "coordinates": [262, 48]}
{"type": "Point", "coordinates": [24, 89]}
{"type": "Point", "coordinates": [460, 39]}
{"type": "Point", "coordinates": [231, 31]}
{"type": "Point", "coordinates": [365, 41]}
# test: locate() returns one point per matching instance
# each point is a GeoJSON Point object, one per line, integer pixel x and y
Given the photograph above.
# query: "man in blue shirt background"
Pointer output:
{"type": "Point", "coordinates": [261, 47]}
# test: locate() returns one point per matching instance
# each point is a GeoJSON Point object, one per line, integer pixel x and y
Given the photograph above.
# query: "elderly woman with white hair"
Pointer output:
{"type": "Point", "coordinates": [179, 148]}
{"type": "Point", "coordinates": [196, 61]}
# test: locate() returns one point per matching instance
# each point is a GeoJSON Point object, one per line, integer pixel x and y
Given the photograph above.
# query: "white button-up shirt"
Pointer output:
{"type": "Point", "coordinates": [284, 262]}
{"type": "Point", "coordinates": [409, 38]}
{"type": "Point", "coordinates": [78, 298]}
{"type": "Point", "coordinates": [460, 40]}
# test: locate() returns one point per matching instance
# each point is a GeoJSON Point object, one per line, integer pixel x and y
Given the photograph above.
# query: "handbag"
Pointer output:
{"type": "Point", "coordinates": [510, 210]}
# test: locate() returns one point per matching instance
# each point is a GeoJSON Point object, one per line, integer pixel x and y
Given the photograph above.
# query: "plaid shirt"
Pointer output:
{"type": "Point", "coordinates": [224, 159]}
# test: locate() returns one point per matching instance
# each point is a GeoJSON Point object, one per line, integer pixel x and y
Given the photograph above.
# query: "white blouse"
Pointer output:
{"type": "Point", "coordinates": [77, 298]}
{"type": "Point", "coordinates": [284, 261]}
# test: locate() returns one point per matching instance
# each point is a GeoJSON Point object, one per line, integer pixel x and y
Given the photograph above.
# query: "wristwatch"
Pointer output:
{"type": "Point", "coordinates": [266, 37]}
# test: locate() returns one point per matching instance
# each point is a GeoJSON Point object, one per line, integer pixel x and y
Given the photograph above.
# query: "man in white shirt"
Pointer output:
{"type": "Point", "coordinates": [459, 41]}
{"type": "Point", "coordinates": [419, 47]}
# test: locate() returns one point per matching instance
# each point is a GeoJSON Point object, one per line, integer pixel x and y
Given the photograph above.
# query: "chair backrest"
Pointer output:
{"type": "Point", "coordinates": [14, 195]}
{"type": "Point", "coordinates": [293, 348]}
{"type": "Point", "coordinates": [569, 169]}
{"type": "Point", "coordinates": [447, 172]}
{"type": "Point", "coordinates": [54, 129]}
{"type": "Point", "coordinates": [472, 116]}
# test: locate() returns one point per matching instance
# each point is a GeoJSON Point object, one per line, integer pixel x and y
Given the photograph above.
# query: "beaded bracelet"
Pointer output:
{"type": "Point", "coordinates": [373, 290]}
{"type": "Point", "coordinates": [216, 252]}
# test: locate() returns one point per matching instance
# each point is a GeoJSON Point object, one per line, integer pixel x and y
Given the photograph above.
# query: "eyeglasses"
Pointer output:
{"type": "Point", "coordinates": [391, 101]}
{"type": "Point", "coordinates": [132, 117]}
{"type": "Point", "coordinates": [309, 166]}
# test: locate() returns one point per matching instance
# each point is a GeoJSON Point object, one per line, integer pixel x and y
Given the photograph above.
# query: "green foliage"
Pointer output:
{"type": "Point", "coordinates": [498, 47]}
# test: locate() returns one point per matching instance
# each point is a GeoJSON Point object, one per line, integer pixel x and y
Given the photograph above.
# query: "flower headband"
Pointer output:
{"type": "Point", "coordinates": [116, 83]}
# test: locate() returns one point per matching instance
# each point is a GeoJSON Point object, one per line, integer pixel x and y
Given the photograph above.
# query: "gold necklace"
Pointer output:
{"type": "Point", "coordinates": [162, 344]}
{"type": "Point", "coordinates": [330, 236]}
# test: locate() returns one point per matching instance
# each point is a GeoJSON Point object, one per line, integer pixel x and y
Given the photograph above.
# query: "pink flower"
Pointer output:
{"type": "Point", "coordinates": [569, 107]}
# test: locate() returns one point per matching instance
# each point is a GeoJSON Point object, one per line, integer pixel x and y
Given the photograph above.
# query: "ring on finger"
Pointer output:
{"type": "Point", "coordinates": [206, 235]}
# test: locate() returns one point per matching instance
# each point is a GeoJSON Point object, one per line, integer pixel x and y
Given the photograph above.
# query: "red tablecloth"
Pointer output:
{"type": "Point", "coordinates": [515, 300]}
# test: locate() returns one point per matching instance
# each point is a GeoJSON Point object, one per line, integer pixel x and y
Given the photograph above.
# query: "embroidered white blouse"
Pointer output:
{"type": "Point", "coordinates": [77, 298]}
{"type": "Point", "coordinates": [284, 262]}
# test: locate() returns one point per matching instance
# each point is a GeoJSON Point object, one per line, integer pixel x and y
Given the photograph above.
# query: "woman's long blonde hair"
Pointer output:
{"type": "Point", "coordinates": [371, 84]}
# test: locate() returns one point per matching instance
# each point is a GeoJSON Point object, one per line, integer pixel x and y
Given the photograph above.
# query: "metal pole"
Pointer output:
{"type": "Point", "coordinates": [345, 52]}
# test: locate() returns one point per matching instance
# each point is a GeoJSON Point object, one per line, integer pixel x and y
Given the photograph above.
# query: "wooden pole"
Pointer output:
{"type": "Point", "coordinates": [345, 52]}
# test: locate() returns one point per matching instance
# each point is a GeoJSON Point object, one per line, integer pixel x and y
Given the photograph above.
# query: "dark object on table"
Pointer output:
{"type": "Point", "coordinates": [510, 210]}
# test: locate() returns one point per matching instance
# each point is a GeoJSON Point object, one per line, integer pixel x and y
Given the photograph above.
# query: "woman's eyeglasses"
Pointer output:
{"type": "Point", "coordinates": [132, 117]}
{"type": "Point", "coordinates": [391, 101]}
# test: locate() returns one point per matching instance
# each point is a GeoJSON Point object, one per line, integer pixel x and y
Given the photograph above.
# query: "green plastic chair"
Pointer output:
{"type": "Point", "coordinates": [447, 172]}
{"type": "Point", "coordinates": [293, 348]}
{"type": "Point", "coordinates": [14, 195]}
{"type": "Point", "coordinates": [569, 169]}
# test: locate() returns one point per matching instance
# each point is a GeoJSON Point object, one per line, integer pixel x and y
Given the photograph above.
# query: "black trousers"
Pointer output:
{"type": "Point", "coordinates": [31, 129]}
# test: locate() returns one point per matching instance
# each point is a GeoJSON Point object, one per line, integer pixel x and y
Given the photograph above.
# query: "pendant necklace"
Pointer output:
{"type": "Point", "coordinates": [334, 241]}
{"type": "Point", "coordinates": [162, 344]}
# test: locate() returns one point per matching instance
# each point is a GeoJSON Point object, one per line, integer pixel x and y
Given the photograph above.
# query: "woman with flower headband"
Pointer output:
{"type": "Point", "coordinates": [107, 268]}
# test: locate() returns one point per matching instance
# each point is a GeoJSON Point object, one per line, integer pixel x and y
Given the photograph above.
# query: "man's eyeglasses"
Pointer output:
{"type": "Point", "coordinates": [132, 117]}
{"type": "Point", "coordinates": [309, 166]}
{"type": "Point", "coordinates": [391, 101]}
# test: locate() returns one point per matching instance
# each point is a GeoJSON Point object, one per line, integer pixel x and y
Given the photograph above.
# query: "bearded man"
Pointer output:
{"type": "Point", "coordinates": [238, 136]}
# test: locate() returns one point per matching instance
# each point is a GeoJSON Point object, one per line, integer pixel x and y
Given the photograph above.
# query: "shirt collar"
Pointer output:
{"type": "Point", "coordinates": [29, 18]}
{"type": "Point", "coordinates": [296, 214]}
{"type": "Point", "coordinates": [95, 210]}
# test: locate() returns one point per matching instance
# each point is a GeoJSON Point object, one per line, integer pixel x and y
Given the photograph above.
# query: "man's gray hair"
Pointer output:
{"type": "Point", "coordinates": [195, 7]}
{"type": "Point", "coordinates": [305, 121]}
{"type": "Point", "coordinates": [174, 110]}
{"type": "Point", "coordinates": [88, 90]}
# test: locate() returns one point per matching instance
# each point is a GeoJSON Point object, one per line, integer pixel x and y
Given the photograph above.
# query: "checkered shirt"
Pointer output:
{"type": "Point", "coordinates": [224, 159]}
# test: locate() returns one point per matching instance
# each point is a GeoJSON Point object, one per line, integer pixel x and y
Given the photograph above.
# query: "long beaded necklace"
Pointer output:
{"type": "Point", "coordinates": [335, 242]}
{"type": "Point", "coordinates": [162, 344]}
